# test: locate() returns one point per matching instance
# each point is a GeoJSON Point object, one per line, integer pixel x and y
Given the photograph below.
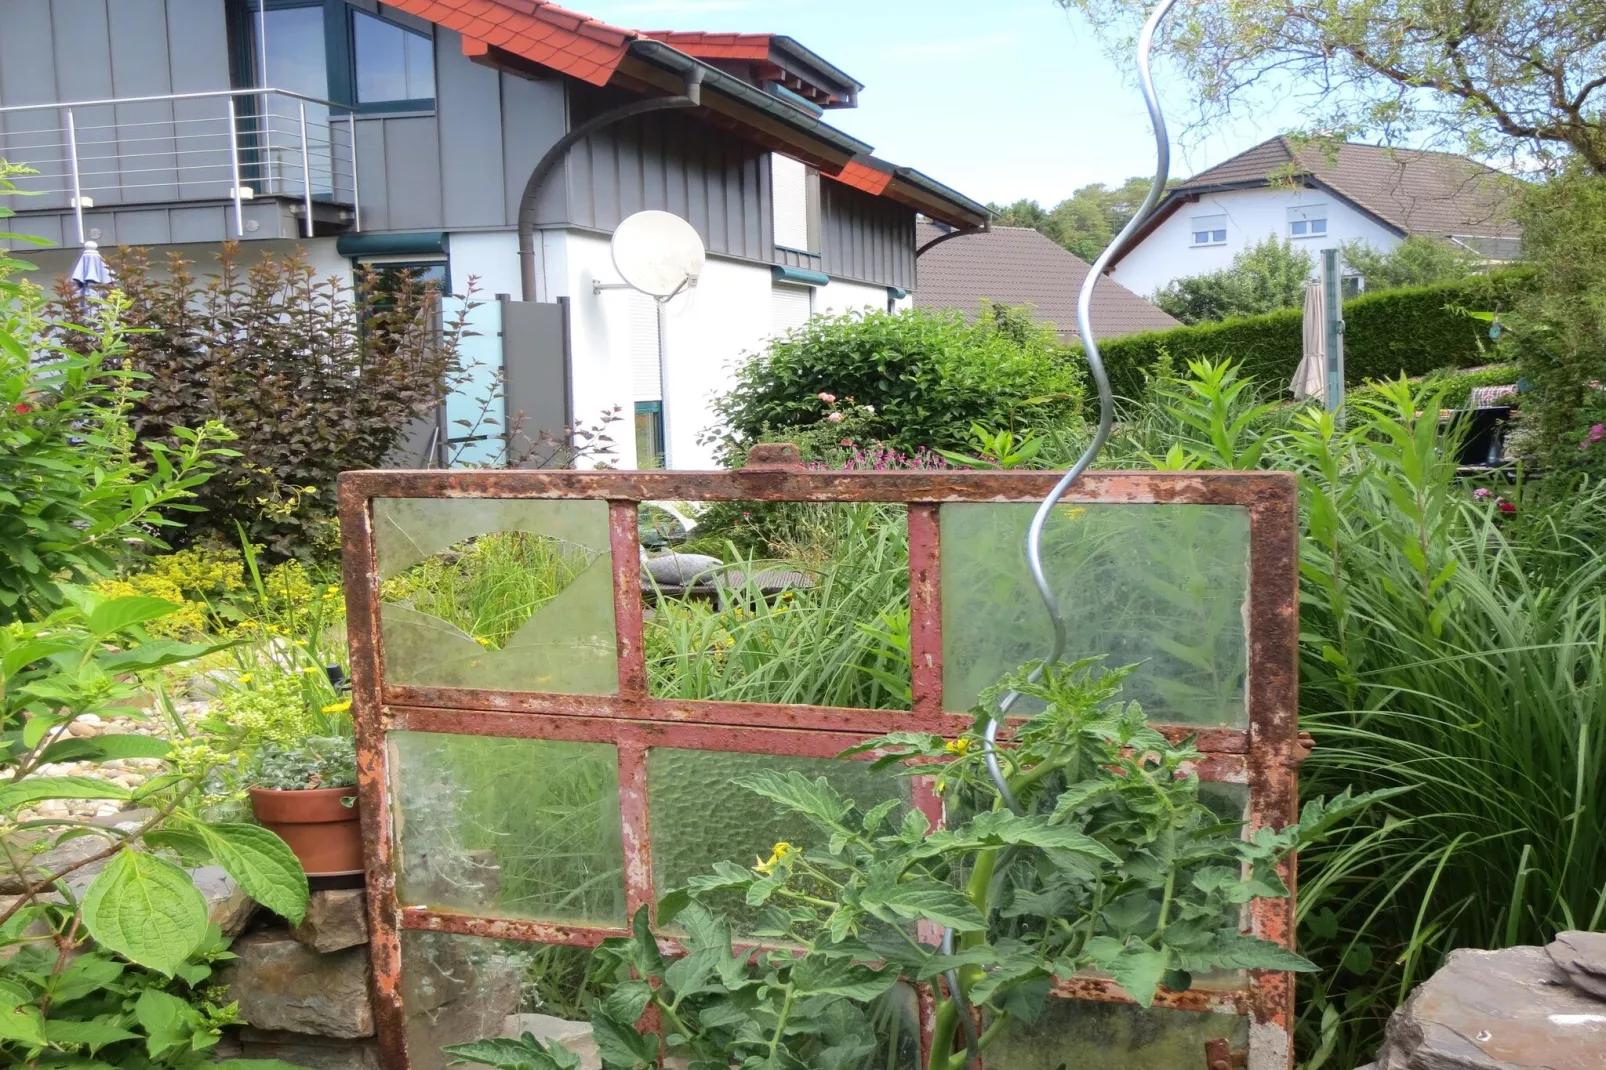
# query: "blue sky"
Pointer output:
{"type": "Point", "coordinates": [1000, 99]}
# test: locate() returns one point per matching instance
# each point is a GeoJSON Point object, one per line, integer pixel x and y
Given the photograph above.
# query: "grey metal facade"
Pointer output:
{"type": "Point", "coordinates": [459, 167]}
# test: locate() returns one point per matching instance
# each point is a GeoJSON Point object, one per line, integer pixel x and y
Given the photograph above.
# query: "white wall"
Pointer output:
{"type": "Point", "coordinates": [1252, 215]}
{"type": "Point", "coordinates": [843, 296]}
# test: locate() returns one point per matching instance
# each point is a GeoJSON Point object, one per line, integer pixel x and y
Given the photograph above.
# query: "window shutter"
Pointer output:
{"type": "Point", "coordinates": [646, 374]}
{"type": "Point", "coordinates": [789, 201]}
{"type": "Point", "coordinates": [790, 307]}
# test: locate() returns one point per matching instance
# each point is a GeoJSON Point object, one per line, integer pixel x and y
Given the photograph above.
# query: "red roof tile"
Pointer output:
{"type": "Point", "coordinates": [546, 33]}
{"type": "Point", "coordinates": [748, 46]}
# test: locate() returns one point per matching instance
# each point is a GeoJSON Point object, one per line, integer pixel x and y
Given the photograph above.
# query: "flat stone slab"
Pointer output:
{"type": "Point", "coordinates": [1582, 957]}
{"type": "Point", "coordinates": [283, 985]}
{"type": "Point", "coordinates": [1497, 1010]}
{"type": "Point", "coordinates": [336, 919]}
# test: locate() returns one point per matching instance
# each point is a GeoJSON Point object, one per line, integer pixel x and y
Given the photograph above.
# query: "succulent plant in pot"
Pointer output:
{"type": "Point", "coordinates": [306, 792]}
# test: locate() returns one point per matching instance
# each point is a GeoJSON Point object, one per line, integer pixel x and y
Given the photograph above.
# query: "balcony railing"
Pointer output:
{"type": "Point", "coordinates": [231, 145]}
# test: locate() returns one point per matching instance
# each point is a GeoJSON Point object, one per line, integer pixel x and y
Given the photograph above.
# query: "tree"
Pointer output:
{"type": "Point", "coordinates": [1520, 76]}
{"type": "Point", "coordinates": [1417, 261]}
{"type": "Point", "coordinates": [1263, 278]}
{"type": "Point", "coordinates": [1085, 221]}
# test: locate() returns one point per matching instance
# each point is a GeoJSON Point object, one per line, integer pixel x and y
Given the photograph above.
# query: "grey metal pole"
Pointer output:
{"type": "Point", "coordinates": [663, 379]}
{"type": "Point", "coordinates": [1333, 327]}
{"type": "Point", "coordinates": [77, 183]}
{"type": "Point", "coordinates": [306, 168]}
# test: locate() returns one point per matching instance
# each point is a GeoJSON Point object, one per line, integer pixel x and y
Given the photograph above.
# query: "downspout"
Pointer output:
{"type": "Point", "coordinates": [691, 98]}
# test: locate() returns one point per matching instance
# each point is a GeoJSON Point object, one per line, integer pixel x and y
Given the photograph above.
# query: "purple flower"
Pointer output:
{"type": "Point", "coordinates": [1597, 432]}
{"type": "Point", "coordinates": [1482, 493]}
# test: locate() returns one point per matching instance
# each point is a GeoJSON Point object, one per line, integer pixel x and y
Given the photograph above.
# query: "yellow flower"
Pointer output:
{"type": "Point", "coordinates": [338, 707]}
{"type": "Point", "coordinates": [244, 678]}
{"type": "Point", "coordinates": [960, 746]}
{"type": "Point", "coordinates": [778, 854]}
{"type": "Point", "coordinates": [483, 641]}
{"type": "Point", "coordinates": [307, 670]}
{"type": "Point", "coordinates": [300, 642]}
{"type": "Point", "coordinates": [1075, 512]}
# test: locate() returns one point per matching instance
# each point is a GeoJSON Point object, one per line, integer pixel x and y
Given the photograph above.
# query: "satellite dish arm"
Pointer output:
{"type": "Point", "coordinates": [690, 98]}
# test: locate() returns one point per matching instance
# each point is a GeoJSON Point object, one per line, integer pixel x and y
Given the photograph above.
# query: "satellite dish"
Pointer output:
{"type": "Point", "coordinates": [658, 253]}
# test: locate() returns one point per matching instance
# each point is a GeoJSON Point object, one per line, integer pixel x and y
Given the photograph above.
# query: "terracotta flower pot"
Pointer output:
{"type": "Point", "coordinates": [322, 831]}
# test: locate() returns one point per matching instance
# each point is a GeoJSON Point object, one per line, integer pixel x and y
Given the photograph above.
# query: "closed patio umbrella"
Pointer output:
{"type": "Point", "coordinates": [1310, 378]}
{"type": "Point", "coordinates": [90, 270]}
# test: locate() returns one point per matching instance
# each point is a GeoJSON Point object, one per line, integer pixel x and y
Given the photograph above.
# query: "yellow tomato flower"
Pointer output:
{"type": "Point", "coordinates": [960, 746]}
{"type": "Point", "coordinates": [338, 707]}
{"type": "Point", "coordinates": [244, 678]}
{"type": "Point", "coordinates": [778, 854]}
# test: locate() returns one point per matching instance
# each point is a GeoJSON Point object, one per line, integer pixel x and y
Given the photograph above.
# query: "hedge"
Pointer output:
{"type": "Point", "coordinates": [1414, 330]}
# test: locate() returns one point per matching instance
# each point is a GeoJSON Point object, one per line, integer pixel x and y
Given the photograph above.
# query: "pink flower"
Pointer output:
{"type": "Point", "coordinates": [829, 399]}
{"type": "Point", "coordinates": [22, 408]}
{"type": "Point", "coordinates": [1504, 506]}
{"type": "Point", "coordinates": [1482, 493]}
{"type": "Point", "coordinates": [1597, 432]}
{"type": "Point", "coordinates": [835, 417]}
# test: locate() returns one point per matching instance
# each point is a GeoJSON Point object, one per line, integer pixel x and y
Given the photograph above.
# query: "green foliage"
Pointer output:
{"type": "Point", "coordinates": [74, 496]}
{"type": "Point", "coordinates": [1419, 260]}
{"type": "Point", "coordinates": [1263, 278]}
{"type": "Point", "coordinates": [1115, 862]}
{"type": "Point", "coordinates": [1407, 331]}
{"type": "Point", "coordinates": [1085, 221]}
{"type": "Point", "coordinates": [926, 377]}
{"type": "Point", "coordinates": [315, 762]}
{"type": "Point", "coordinates": [1560, 332]}
{"type": "Point", "coordinates": [311, 379]}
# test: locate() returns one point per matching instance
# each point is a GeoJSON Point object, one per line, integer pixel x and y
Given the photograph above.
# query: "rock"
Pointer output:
{"type": "Point", "coordinates": [576, 1036]}
{"type": "Point", "coordinates": [283, 985]}
{"type": "Point", "coordinates": [1582, 957]}
{"type": "Point", "coordinates": [81, 730]}
{"type": "Point", "coordinates": [93, 720]}
{"type": "Point", "coordinates": [457, 989]}
{"type": "Point", "coordinates": [679, 570]}
{"type": "Point", "coordinates": [1496, 1010]}
{"type": "Point", "coordinates": [227, 905]}
{"type": "Point", "coordinates": [335, 919]}
{"type": "Point", "coordinates": [54, 860]}
{"type": "Point", "coordinates": [315, 1053]}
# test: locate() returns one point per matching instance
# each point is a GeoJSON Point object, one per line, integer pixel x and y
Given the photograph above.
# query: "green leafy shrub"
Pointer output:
{"type": "Point", "coordinates": [1262, 278]}
{"type": "Point", "coordinates": [312, 379]}
{"type": "Point", "coordinates": [926, 377]}
{"type": "Point", "coordinates": [1560, 333]}
{"type": "Point", "coordinates": [1398, 332]}
{"type": "Point", "coordinates": [1419, 260]}
{"type": "Point", "coordinates": [314, 762]}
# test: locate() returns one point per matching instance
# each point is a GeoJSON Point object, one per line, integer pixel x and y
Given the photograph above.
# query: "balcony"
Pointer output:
{"type": "Point", "coordinates": [188, 167]}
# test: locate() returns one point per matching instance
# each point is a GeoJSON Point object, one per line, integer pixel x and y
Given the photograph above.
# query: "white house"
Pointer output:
{"type": "Point", "coordinates": [1319, 197]}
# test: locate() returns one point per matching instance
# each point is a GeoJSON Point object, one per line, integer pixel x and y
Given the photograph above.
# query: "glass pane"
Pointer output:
{"type": "Point", "coordinates": [518, 828]}
{"type": "Point", "coordinates": [457, 989]}
{"type": "Point", "coordinates": [297, 58]}
{"type": "Point", "coordinates": [1164, 586]}
{"type": "Point", "coordinates": [699, 817]}
{"type": "Point", "coordinates": [1113, 1036]}
{"type": "Point", "coordinates": [781, 602]}
{"type": "Point", "coordinates": [497, 594]}
{"type": "Point", "coordinates": [392, 63]}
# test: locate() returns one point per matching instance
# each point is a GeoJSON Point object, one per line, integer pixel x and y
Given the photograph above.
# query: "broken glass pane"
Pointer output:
{"type": "Point", "coordinates": [1161, 586]}
{"type": "Point", "coordinates": [1113, 1036]}
{"type": "Point", "coordinates": [497, 594]}
{"type": "Point", "coordinates": [514, 828]}
{"type": "Point", "coordinates": [699, 817]}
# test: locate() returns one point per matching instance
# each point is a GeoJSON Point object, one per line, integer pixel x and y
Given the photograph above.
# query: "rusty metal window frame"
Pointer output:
{"type": "Point", "coordinates": [1264, 756]}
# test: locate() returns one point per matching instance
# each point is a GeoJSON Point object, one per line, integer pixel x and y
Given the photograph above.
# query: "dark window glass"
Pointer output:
{"type": "Point", "coordinates": [393, 63]}
{"type": "Point", "coordinates": [1218, 235]}
{"type": "Point", "coordinates": [298, 59]}
{"type": "Point", "coordinates": [1318, 226]}
{"type": "Point", "coordinates": [649, 434]}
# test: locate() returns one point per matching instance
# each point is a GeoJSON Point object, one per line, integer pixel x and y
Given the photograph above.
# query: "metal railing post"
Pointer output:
{"type": "Point", "coordinates": [77, 185]}
{"type": "Point", "coordinates": [306, 170]}
{"type": "Point", "coordinates": [356, 200]}
{"type": "Point", "coordinates": [234, 167]}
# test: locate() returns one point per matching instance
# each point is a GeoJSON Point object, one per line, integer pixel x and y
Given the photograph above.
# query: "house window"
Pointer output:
{"type": "Point", "coordinates": [649, 434]}
{"type": "Point", "coordinates": [790, 307]}
{"type": "Point", "coordinates": [794, 204]}
{"type": "Point", "coordinates": [1307, 221]}
{"type": "Point", "coordinates": [1209, 229]}
{"type": "Point", "coordinates": [394, 66]}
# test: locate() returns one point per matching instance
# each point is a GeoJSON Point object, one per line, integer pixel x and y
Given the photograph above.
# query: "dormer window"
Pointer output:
{"type": "Point", "coordinates": [1209, 229]}
{"type": "Point", "coordinates": [794, 204]}
{"type": "Point", "coordinates": [1307, 221]}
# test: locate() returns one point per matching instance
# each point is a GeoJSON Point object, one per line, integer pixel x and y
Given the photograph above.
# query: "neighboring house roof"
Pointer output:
{"type": "Point", "coordinates": [1411, 191]}
{"type": "Point", "coordinates": [517, 33]}
{"type": "Point", "coordinates": [1019, 266]}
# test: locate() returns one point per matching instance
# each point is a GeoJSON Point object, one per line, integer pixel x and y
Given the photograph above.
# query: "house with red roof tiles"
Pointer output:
{"type": "Point", "coordinates": [498, 142]}
{"type": "Point", "coordinates": [1320, 196]}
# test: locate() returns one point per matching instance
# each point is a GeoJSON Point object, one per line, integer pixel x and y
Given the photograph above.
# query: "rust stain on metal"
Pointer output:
{"type": "Point", "coordinates": [1265, 755]}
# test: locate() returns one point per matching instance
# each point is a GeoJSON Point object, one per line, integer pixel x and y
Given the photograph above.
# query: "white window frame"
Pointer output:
{"type": "Point", "coordinates": [1303, 219]}
{"type": "Point", "coordinates": [789, 203]}
{"type": "Point", "coordinates": [1215, 226]}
